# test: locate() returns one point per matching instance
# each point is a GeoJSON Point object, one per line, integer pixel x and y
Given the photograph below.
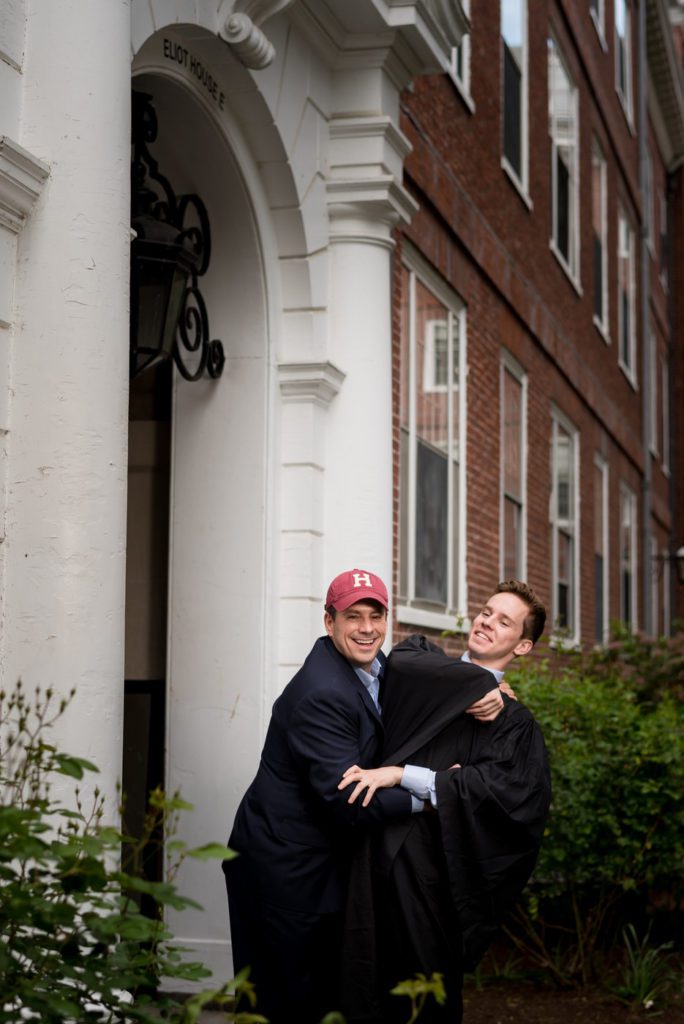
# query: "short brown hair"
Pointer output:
{"type": "Point", "coordinates": [535, 620]}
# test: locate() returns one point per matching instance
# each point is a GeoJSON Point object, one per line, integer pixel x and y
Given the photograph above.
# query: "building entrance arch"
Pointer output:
{"type": "Point", "coordinates": [197, 619]}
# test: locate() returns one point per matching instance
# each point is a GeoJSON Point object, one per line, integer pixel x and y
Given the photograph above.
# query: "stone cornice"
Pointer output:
{"type": "Point", "coordinates": [407, 37]}
{"type": "Point", "coordinates": [367, 209]}
{"type": "Point", "coordinates": [22, 177]}
{"type": "Point", "coordinates": [310, 382]}
{"type": "Point", "coordinates": [666, 77]}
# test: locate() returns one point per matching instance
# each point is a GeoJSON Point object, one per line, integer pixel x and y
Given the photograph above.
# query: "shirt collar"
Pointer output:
{"type": "Point", "coordinates": [496, 672]}
{"type": "Point", "coordinates": [368, 678]}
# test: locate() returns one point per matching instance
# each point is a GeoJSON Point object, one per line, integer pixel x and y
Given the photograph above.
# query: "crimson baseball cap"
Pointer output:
{"type": "Point", "coordinates": [355, 585]}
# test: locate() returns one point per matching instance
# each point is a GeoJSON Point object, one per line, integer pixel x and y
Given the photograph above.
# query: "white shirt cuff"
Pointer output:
{"type": "Point", "coordinates": [420, 782]}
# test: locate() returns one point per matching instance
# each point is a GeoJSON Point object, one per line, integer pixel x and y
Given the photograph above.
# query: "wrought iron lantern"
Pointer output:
{"type": "Point", "coordinates": [170, 251]}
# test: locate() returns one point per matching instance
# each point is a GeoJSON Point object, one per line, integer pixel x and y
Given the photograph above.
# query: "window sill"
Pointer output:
{"type": "Point", "coordinates": [626, 110]}
{"type": "Point", "coordinates": [599, 32]}
{"type": "Point", "coordinates": [462, 92]}
{"type": "Point", "coordinates": [566, 268]}
{"type": "Point", "coordinates": [602, 330]}
{"type": "Point", "coordinates": [564, 643]}
{"type": "Point", "coordinates": [516, 183]}
{"type": "Point", "coordinates": [410, 616]}
{"type": "Point", "coordinates": [629, 374]}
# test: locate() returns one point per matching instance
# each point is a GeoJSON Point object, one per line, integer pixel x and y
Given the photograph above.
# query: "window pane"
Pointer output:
{"type": "Point", "coordinates": [565, 581]}
{"type": "Point", "coordinates": [563, 131]}
{"type": "Point", "coordinates": [512, 428]}
{"type": "Point", "coordinates": [511, 539]}
{"type": "Point", "coordinates": [598, 278]}
{"type": "Point", "coordinates": [598, 598]}
{"type": "Point", "coordinates": [563, 474]}
{"type": "Point", "coordinates": [599, 538]}
{"type": "Point", "coordinates": [599, 553]}
{"type": "Point", "coordinates": [431, 525]}
{"type": "Point", "coordinates": [428, 453]}
{"type": "Point", "coordinates": [513, 24]}
{"type": "Point", "coordinates": [625, 353]}
{"type": "Point", "coordinates": [627, 542]}
{"type": "Point", "coordinates": [598, 220]}
{"type": "Point", "coordinates": [562, 206]}
{"type": "Point", "coordinates": [431, 403]}
{"type": "Point", "coordinates": [512, 111]}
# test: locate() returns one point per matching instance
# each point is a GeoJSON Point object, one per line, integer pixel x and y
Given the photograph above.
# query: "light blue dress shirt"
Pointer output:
{"type": "Point", "coordinates": [372, 683]}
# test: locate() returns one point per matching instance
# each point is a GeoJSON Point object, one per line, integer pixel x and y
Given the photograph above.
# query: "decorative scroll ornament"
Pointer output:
{"type": "Point", "coordinates": [239, 24]}
{"type": "Point", "coordinates": [170, 252]}
{"type": "Point", "coordinates": [248, 42]}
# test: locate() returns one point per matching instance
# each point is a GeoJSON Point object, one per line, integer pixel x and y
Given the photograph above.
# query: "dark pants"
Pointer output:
{"type": "Point", "coordinates": [293, 957]}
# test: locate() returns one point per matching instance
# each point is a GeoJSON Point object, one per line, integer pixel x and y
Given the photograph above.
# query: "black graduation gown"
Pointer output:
{"type": "Point", "coordinates": [428, 893]}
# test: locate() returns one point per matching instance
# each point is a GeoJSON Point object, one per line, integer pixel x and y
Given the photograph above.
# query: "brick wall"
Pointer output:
{"type": "Point", "coordinates": [491, 244]}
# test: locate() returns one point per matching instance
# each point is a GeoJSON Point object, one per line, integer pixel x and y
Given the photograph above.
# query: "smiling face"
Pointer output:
{"type": "Point", "coordinates": [496, 634]}
{"type": "Point", "coordinates": [358, 632]}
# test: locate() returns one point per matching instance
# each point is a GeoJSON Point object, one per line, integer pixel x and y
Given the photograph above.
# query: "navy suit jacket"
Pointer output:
{"type": "Point", "coordinates": [294, 828]}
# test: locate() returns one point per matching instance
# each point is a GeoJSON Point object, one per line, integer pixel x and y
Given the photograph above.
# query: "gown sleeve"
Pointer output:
{"type": "Point", "coordinates": [492, 813]}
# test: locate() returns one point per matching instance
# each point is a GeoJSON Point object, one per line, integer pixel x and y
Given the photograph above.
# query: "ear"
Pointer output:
{"type": "Point", "coordinates": [523, 647]}
{"type": "Point", "coordinates": [328, 623]}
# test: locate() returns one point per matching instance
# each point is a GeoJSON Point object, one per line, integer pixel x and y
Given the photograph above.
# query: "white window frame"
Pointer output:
{"type": "Point", "coordinates": [572, 263]}
{"type": "Point", "coordinates": [603, 326]}
{"type": "Point", "coordinates": [628, 495]}
{"type": "Point", "coordinates": [571, 638]}
{"type": "Point", "coordinates": [665, 413]}
{"type": "Point", "coordinates": [457, 597]}
{"type": "Point", "coordinates": [462, 81]}
{"type": "Point", "coordinates": [430, 385]}
{"type": "Point", "coordinates": [626, 93]}
{"type": "Point", "coordinates": [650, 204]}
{"type": "Point", "coordinates": [655, 581]}
{"type": "Point", "coordinates": [599, 19]}
{"type": "Point", "coordinates": [509, 364]}
{"type": "Point", "coordinates": [602, 465]}
{"type": "Point", "coordinates": [521, 181]}
{"type": "Point", "coordinates": [653, 360]}
{"type": "Point", "coordinates": [629, 369]}
{"type": "Point", "coordinates": [667, 583]}
{"type": "Point", "coordinates": [663, 242]}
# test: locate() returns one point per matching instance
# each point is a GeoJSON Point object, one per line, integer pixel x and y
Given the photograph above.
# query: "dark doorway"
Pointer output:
{"type": "Point", "coordinates": [149, 462]}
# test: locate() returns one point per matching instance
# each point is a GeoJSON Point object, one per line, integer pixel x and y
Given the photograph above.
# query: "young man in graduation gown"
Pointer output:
{"type": "Point", "coordinates": [428, 894]}
{"type": "Point", "coordinates": [293, 829]}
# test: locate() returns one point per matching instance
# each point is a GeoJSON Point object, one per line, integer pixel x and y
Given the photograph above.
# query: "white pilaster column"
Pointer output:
{"type": "Point", "coordinates": [66, 522]}
{"type": "Point", "coordinates": [366, 200]}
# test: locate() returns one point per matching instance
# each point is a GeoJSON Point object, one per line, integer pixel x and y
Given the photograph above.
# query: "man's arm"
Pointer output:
{"type": "Point", "coordinates": [325, 739]}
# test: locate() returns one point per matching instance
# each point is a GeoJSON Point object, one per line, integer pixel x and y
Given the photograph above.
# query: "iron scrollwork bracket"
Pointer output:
{"type": "Point", "coordinates": [187, 214]}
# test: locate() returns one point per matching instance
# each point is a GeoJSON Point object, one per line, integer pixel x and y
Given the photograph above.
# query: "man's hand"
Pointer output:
{"type": "Point", "coordinates": [370, 778]}
{"type": "Point", "coordinates": [488, 707]}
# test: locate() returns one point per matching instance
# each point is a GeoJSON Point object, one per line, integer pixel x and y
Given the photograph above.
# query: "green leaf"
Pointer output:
{"type": "Point", "coordinates": [74, 767]}
{"type": "Point", "coordinates": [212, 851]}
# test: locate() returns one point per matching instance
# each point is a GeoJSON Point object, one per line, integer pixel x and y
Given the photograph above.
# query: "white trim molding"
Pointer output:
{"type": "Point", "coordinates": [310, 382]}
{"type": "Point", "coordinates": [22, 177]}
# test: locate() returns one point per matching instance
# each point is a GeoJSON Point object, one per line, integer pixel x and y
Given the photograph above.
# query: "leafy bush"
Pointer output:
{"type": "Point", "coordinates": [75, 946]}
{"type": "Point", "coordinates": [615, 735]}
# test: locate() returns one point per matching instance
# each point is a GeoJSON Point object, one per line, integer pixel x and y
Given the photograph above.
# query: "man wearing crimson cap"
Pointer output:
{"type": "Point", "coordinates": [294, 828]}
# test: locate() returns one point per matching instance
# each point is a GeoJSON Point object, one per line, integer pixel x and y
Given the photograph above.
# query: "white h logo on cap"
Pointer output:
{"type": "Point", "coordinates": [362, 578]}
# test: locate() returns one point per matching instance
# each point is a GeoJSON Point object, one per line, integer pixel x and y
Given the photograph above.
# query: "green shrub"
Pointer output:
{"type": "Point", "coordinates": [75, 946]}
{"type": "Point", "coordinates": [615, 736]}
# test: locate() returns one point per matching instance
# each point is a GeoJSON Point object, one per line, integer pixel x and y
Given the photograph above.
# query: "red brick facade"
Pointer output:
{"type": "Point", "coordinates": [490, 243]}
